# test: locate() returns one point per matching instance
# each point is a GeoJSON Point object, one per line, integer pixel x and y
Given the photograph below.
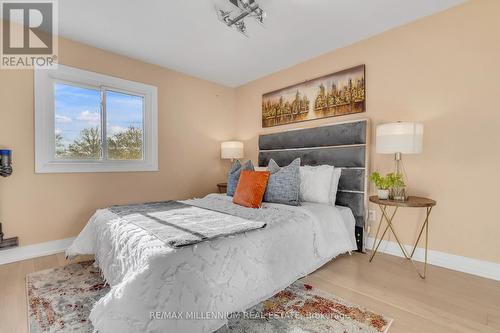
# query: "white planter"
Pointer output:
{"type": "Point", "coordinates": [383, 194]}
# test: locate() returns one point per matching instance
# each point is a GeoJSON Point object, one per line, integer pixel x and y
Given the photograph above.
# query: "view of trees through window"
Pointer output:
{"type": "Point", "coordinates": [78, 133]}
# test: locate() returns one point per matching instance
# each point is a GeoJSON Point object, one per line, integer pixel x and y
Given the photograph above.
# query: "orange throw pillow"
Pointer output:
{"type": "Point", "coordinates": [251, 188]}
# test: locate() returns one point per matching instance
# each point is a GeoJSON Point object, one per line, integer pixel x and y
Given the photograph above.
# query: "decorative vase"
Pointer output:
{"type": "Point", "coordinates": [383, 194]}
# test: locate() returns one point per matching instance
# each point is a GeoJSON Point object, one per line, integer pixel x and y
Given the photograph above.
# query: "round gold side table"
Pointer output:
{"type": "Point", "coordinates": [411, 202]}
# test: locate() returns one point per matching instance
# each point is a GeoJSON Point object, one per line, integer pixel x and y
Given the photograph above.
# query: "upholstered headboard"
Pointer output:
{"type": "Point", "coordinates": [343, 145]}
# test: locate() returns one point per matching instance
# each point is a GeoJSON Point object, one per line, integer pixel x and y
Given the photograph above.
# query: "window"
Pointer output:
{"type": "Point", "coordinates": [89, 122]}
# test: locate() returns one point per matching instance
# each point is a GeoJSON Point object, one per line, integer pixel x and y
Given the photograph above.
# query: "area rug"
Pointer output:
{"type": "Point", "coordinates": [60, 300]}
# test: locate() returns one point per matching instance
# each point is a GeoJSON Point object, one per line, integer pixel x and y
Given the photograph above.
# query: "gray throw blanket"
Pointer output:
{"type": "Point", "coordinates": [179, 224]}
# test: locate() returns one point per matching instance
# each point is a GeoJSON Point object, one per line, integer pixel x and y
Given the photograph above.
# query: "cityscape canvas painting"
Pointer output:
{"type": "Point", "coordinates": [332, 95]}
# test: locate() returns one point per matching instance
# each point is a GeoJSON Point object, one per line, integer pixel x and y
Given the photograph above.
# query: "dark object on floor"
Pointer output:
{"type": "Point", "coordinates": [359, 238]}
{"type": "Point", "coordinates": [7, 243]}
{"type": "Point", "coordinates": [5, 171]}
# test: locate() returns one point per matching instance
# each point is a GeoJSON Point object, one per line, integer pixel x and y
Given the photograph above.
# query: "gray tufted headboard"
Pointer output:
{"type": "Point", "coordinates": [343, 145]}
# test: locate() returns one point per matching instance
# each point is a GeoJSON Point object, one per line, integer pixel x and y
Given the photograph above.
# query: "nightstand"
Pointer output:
{"type": "Point", "coordinates": [412, 202]}
{"type": "Point", "coordinates": [222, 187]}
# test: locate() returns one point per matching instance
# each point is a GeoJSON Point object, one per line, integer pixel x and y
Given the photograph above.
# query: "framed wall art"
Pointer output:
{"type": "Point", "coordinates": [332, 95]}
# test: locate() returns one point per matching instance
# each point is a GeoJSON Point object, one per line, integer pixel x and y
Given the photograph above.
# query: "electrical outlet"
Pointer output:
{"type": "Point", "coordinates": [372, 215]}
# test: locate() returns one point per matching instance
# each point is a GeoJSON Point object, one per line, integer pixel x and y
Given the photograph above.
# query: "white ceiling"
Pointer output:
{"type": "Point", "coordinates": [186, 35]}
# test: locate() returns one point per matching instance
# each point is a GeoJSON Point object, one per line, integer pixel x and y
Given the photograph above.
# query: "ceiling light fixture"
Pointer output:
{"type": "Point", "coordinates": [246, 8]}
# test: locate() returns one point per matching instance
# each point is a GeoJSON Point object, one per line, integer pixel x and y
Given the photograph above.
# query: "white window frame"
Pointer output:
{"type": "Point", "coordinates": [45, 159]}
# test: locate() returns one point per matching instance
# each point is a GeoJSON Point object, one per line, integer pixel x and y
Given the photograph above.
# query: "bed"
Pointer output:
{"type": "Point", "coordinates": [159, 288]}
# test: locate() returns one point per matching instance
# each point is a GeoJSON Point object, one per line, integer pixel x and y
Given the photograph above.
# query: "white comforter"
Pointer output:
{"type": "Point", "coordinates": [220, 276]}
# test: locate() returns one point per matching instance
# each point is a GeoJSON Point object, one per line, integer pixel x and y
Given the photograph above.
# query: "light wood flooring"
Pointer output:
{"type": "Point", "coordinates": [447, 301]}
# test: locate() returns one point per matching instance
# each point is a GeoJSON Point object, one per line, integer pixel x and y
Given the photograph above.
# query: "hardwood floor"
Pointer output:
{"type": "Point", "coordinates": [447, 301]}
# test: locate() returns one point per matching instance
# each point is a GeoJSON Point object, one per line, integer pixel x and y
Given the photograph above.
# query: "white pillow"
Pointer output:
{"type": "Point", "coordinates": [316, 183]}
{"type": "Point", "coordinates": [337, 172]}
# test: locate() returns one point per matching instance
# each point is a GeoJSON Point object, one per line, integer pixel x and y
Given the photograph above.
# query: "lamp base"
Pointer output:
{"type": "Point", "coordinates": [399, 194]}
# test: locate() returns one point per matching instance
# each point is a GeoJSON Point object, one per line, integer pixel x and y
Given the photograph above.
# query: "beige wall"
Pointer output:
{"type": "Point", "coordinates": [194, 116]}
{"type": "Point", "coordinates": [443, 70]}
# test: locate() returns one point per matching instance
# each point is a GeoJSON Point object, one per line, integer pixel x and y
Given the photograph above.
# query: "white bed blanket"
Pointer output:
{"type": "Point", "coordinates": [212, 278]}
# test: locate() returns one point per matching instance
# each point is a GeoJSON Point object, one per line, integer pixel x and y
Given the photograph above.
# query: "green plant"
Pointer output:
{"type": "Point", "coordinates": [389, 181]}
{"type": "Point", "coordinates": [379, 181]}
{"type": "Point", "coordinates": [395, 180]}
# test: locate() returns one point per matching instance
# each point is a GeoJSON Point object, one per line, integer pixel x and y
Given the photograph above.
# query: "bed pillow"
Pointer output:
{"type": "Point", "coordinates": [337, 172]}
{"type": "Point", "coordinates": [316, 183]}
{"type": "Point", "coordinates": [283, 186]}
{"type": "Point", "coordinates": [234, 175]}
{"type": "Point", "coordinates": [251, 188]}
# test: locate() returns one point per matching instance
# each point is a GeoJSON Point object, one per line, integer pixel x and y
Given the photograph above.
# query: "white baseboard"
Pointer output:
{"type": "Point", "coordinates": [477, 267]}
{"type": "Point", "coordinates": [35, 250]}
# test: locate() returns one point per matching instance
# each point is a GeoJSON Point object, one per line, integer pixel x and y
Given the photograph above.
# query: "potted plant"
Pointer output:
{"type": "Point", "coordinates": [382, 184]}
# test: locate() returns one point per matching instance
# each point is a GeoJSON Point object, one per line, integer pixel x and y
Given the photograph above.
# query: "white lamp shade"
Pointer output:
{"type": "Point", "coordinates": [231, 149]}
{"type": "Point", "coordinates": [400, 137]}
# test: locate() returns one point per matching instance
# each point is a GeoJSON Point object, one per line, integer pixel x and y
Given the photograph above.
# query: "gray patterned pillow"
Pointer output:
{"type": "Point", "coordinates": [283, 185]}
{"type": "Point", "coordinates": [234, 175]}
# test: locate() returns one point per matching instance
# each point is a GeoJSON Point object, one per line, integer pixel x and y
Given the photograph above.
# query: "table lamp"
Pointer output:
{"type": "Point", "coordinates": [231, 150]}
{"type": "Point", "coordinates": [400, 138]}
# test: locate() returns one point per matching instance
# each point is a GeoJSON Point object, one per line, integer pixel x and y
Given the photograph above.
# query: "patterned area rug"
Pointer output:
{"type": "Point", "coordinates": [60, 300]}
